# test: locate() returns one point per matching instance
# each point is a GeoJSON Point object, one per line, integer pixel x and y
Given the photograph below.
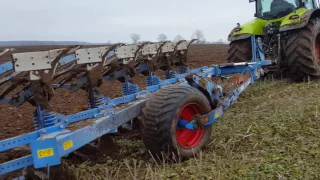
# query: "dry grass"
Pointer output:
{"type": "Point", "coordinates": [272, 132]}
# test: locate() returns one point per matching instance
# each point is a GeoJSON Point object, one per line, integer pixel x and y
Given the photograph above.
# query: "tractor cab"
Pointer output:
{"type": "Point", "coordinates": [275, 9]}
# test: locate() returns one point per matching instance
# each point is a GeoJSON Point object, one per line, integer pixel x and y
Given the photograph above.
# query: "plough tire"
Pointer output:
{"type": "Point", "coordinates": [160, 116]}
{"type": "Point", "coordinates": [240, 51]}
{"type": "Point", "coordinates": [302, 52]}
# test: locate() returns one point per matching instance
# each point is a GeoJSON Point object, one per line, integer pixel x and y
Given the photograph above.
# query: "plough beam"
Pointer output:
{"type": "Point", "coordinates": [56, 135]}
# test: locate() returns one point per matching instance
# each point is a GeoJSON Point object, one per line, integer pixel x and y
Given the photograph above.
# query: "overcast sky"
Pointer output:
{"type": "Point", "coordinates": [114, 20]}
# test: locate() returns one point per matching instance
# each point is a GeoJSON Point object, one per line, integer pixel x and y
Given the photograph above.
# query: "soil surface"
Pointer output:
{"type": "Point", "coordinates": [18, 121]}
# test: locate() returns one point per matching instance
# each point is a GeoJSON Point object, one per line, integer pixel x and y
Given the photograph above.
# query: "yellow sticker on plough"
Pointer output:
{"type": "Point", "coordinates": [45, 153]}
{"type": "Point", "coordinates": [67, 145]}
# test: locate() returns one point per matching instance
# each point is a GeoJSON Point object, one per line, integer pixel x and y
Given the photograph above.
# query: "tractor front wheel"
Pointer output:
{"type": "Point", "coordinates": [164, 117]}
{"type": "Point", "coordinates": [240, 51]}
{"type": "Point", "coordinates": [302, 51]}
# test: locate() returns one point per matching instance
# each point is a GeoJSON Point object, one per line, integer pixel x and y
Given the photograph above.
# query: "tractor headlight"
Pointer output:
{"type": "Point", "coordinates": [237, 29]}
{"type": "Point", "coordinates": [294, 17]}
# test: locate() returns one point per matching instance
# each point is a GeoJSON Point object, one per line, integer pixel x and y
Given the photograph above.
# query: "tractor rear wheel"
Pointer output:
{"type": "Point", "coordinates": [302, 51]}
{"type": "Point", "coordinates": [162, 131]}
{"type": "Point", "coordinates": [240, 51]}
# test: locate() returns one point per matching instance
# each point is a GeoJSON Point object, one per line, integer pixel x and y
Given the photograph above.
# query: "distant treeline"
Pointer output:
{"type": "Point", "coordinates": [43, 43]}
{"type": "Point", "coordinates": [65, 43]}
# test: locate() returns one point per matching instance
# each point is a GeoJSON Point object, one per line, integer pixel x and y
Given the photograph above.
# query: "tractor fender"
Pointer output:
{"type": "Point", "coordinates": [302, 21]}
{"type": "Point", "coordinates": [254, 27]}
{"type": "Point", "coordinates": [233, 37]}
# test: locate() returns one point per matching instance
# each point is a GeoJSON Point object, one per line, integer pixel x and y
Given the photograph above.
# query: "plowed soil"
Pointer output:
{"type": "Point", "coordinates": [18, 121]}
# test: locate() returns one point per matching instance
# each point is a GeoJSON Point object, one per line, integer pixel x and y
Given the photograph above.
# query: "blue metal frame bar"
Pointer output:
{"type": "Point", "coordinates": [67, 59]}
{"type": "Point", "coordinates": [260, 50]}
{"type": "Point", "coordinates": [5, 100]}
{"type": "Point", "coordinates": [6, 67]}
{"type": "Point", "coordinates": [16, 164]}
{"type": "Point", "coordinates": [9, 77]}
{"type": "Point", "coordinates": [254, 48]}
{"type": "Point", "coordinates": [217, 70]}
{"type": "Point", "coordinates": [212, 116]}
{"type": "Point", "coordinates": [257, 49]}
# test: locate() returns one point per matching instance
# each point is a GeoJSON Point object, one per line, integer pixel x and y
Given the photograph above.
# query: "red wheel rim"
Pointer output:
{"type": "Point", "coordinates": [189, 138]}
{"type": "Point", "coordinates": [317, 49]}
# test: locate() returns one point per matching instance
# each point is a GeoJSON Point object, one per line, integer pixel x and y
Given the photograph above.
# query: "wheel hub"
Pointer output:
{"type": "Point", "coordinates": [185, 137]}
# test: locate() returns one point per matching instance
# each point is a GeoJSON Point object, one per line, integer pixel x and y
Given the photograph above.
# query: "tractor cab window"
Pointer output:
{"type": "Point", "coordinates": [310, 4]}
{"type": "Point", "coordinates": [274, 9]}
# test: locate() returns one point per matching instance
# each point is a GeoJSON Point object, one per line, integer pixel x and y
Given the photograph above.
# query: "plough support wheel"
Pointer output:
{"type": "Point", "coordinates": [164, 118]}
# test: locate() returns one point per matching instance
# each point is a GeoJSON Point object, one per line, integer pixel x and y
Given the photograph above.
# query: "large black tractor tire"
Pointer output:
{"type": "Point", "coordinates": [160, 115]}
{"type": "Point", "coordinates": [302, 52]}
{"type": "Point", "coordinates": [240, 51]}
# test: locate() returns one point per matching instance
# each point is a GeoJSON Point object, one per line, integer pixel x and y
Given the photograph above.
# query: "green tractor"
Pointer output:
{"type": "Point", "coordinates": [290, 34]}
